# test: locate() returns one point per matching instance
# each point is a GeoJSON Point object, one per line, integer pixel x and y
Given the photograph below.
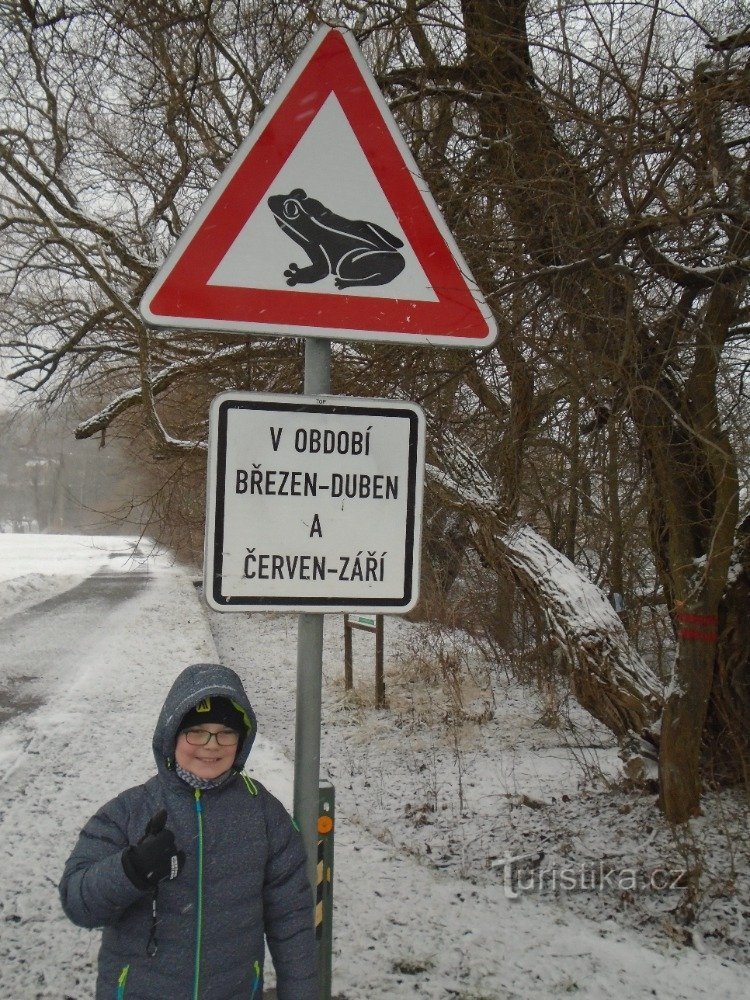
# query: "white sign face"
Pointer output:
{"type": "Point", "coordinates": [315, 167]}
{"type": "Point", "coordinates": [314, 503]}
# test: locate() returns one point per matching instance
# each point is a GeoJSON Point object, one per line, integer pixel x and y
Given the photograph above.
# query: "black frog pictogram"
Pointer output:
{"type": "Point", "coordinates": [355, 252]}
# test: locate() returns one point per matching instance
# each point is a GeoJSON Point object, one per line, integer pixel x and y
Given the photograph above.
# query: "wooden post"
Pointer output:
{"type": "Point", "coordinates": [377, 628]}
{"type": "Point", "coordinates": [348, 674]}
{"type": "Point", "coordinates": [379, 675]}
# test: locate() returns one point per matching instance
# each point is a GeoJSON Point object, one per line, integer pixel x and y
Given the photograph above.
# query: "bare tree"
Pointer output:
{"type": "Point", "coordinates": [592, 162]}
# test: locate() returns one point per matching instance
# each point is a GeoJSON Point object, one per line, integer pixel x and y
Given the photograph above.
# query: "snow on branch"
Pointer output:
{"type": "Point", "coordinates": [460, 465]}
{"type": "Point", "coordinates": [729, 43]}
{"type": "Point", "coordinates": [692, 277]}
{"type": "Point", "coordinates": [159, 382]}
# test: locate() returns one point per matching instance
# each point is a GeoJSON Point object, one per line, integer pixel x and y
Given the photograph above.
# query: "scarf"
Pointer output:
{"type": "Point", "coordinates": [202, 783]}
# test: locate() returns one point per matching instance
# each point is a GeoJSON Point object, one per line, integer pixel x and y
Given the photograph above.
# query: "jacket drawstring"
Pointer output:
{"type": "Point", "coordinates": [152, 946]}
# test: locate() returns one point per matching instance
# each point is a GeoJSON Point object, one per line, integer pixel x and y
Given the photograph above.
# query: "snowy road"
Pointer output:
{"type": "Point", "coordinates": [402, 928]}
{"type": "Point", "coordinates": [36, 660]}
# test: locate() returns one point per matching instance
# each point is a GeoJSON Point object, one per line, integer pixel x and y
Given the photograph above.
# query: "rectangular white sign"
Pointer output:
{"type": "Point", "coordinates": [314, 503]}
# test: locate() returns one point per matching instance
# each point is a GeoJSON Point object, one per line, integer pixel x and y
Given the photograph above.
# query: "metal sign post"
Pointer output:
{"type": "Point", "coordinates": [310, 663]}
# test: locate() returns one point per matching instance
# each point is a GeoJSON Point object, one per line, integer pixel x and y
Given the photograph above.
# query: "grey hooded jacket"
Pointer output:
{"type": "Point", "coordinates": [244, 875]}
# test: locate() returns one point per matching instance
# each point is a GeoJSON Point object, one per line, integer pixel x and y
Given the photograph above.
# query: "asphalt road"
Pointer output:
{"type": "Point", "coordinates": [40, 647]}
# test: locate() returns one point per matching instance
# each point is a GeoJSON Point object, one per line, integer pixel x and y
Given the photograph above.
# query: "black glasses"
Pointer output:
{"type": "Point", "coordinates": [202, 737]}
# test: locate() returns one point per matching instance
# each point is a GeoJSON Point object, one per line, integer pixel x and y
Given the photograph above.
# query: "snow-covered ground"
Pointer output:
{"type": "Point", "coordinates": [462, 769]}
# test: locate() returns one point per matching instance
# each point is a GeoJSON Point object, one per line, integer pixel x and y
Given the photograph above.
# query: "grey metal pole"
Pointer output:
{"type": "Point", "coordinates": [310, 662]}
{"type": "Point", "coordinates": [317, 366]}
{"type": "Point", "coordinates": [307, 734]}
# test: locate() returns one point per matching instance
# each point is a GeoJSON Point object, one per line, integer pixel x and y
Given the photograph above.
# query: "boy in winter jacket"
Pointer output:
{"type": "Point", "coordinates": [187, 872]}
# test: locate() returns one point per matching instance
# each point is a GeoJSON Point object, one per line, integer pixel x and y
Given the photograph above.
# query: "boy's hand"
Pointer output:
{"type": "Point", "coordinates": [155, 857]}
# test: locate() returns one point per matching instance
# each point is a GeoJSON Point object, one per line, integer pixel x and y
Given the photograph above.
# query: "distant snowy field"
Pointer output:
{"type": "Point", "coordinates": [459, 771]}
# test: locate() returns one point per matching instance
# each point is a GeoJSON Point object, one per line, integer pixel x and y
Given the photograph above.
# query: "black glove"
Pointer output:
{"type": "Point", "coordinates": [155, 857]}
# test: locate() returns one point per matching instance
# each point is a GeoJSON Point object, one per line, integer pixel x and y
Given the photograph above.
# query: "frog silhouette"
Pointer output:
{"type": "Point", "coordinates": [355, 252]}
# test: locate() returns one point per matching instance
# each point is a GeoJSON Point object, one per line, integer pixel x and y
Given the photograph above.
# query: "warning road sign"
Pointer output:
{"type": "Point", "coordinates": [314, 503]}
{"type": "Point", "coordinates": [323, 226]}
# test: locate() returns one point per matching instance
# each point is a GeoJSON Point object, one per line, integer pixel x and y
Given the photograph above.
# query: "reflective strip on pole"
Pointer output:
{"type": "Point", "coordinates": [324, 886]}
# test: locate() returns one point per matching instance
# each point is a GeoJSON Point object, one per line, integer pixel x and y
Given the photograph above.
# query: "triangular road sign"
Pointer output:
{"type": "Point", "coordinates": [322, 226]}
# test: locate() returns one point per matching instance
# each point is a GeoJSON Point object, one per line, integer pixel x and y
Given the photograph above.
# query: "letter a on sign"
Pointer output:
{"type": "Point", "coordinates": [322, 225]}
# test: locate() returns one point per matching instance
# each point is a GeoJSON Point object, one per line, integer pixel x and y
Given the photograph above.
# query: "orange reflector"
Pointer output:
{"type": "Point", "coordinates": [325, 824]}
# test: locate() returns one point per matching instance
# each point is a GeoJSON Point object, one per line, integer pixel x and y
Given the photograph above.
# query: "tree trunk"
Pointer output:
{"type": "Point", "coordinates": [685, 714]}
{"type": "Point", "coordinates": [727, 734]}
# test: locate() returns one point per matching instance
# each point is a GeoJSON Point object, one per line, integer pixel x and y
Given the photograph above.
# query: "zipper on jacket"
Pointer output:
{"type": "Point", "coordinates": [199, 900]}
{"type": "Point", "coordinates": [123, 978]}
{"type": "Point", "coordinates": [249, 783]}
{"type": "Point", "coordinates": [256, 980]}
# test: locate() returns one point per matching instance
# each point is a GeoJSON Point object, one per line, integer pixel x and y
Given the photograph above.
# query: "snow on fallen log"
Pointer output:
{"type": "Point", "coordinates": [608, 676]}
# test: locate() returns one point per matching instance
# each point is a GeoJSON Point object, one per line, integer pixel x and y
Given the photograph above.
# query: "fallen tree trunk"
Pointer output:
{"type": "Point", "coordinates": [607, 675]}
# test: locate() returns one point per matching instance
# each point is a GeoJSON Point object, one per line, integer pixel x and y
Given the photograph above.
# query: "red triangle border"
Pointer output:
{"type": "Point", "coordinates": [182, 291]}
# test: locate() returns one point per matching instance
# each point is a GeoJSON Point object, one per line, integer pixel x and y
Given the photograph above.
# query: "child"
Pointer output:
{"type": "Point", "coordinates": [188, 871]}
